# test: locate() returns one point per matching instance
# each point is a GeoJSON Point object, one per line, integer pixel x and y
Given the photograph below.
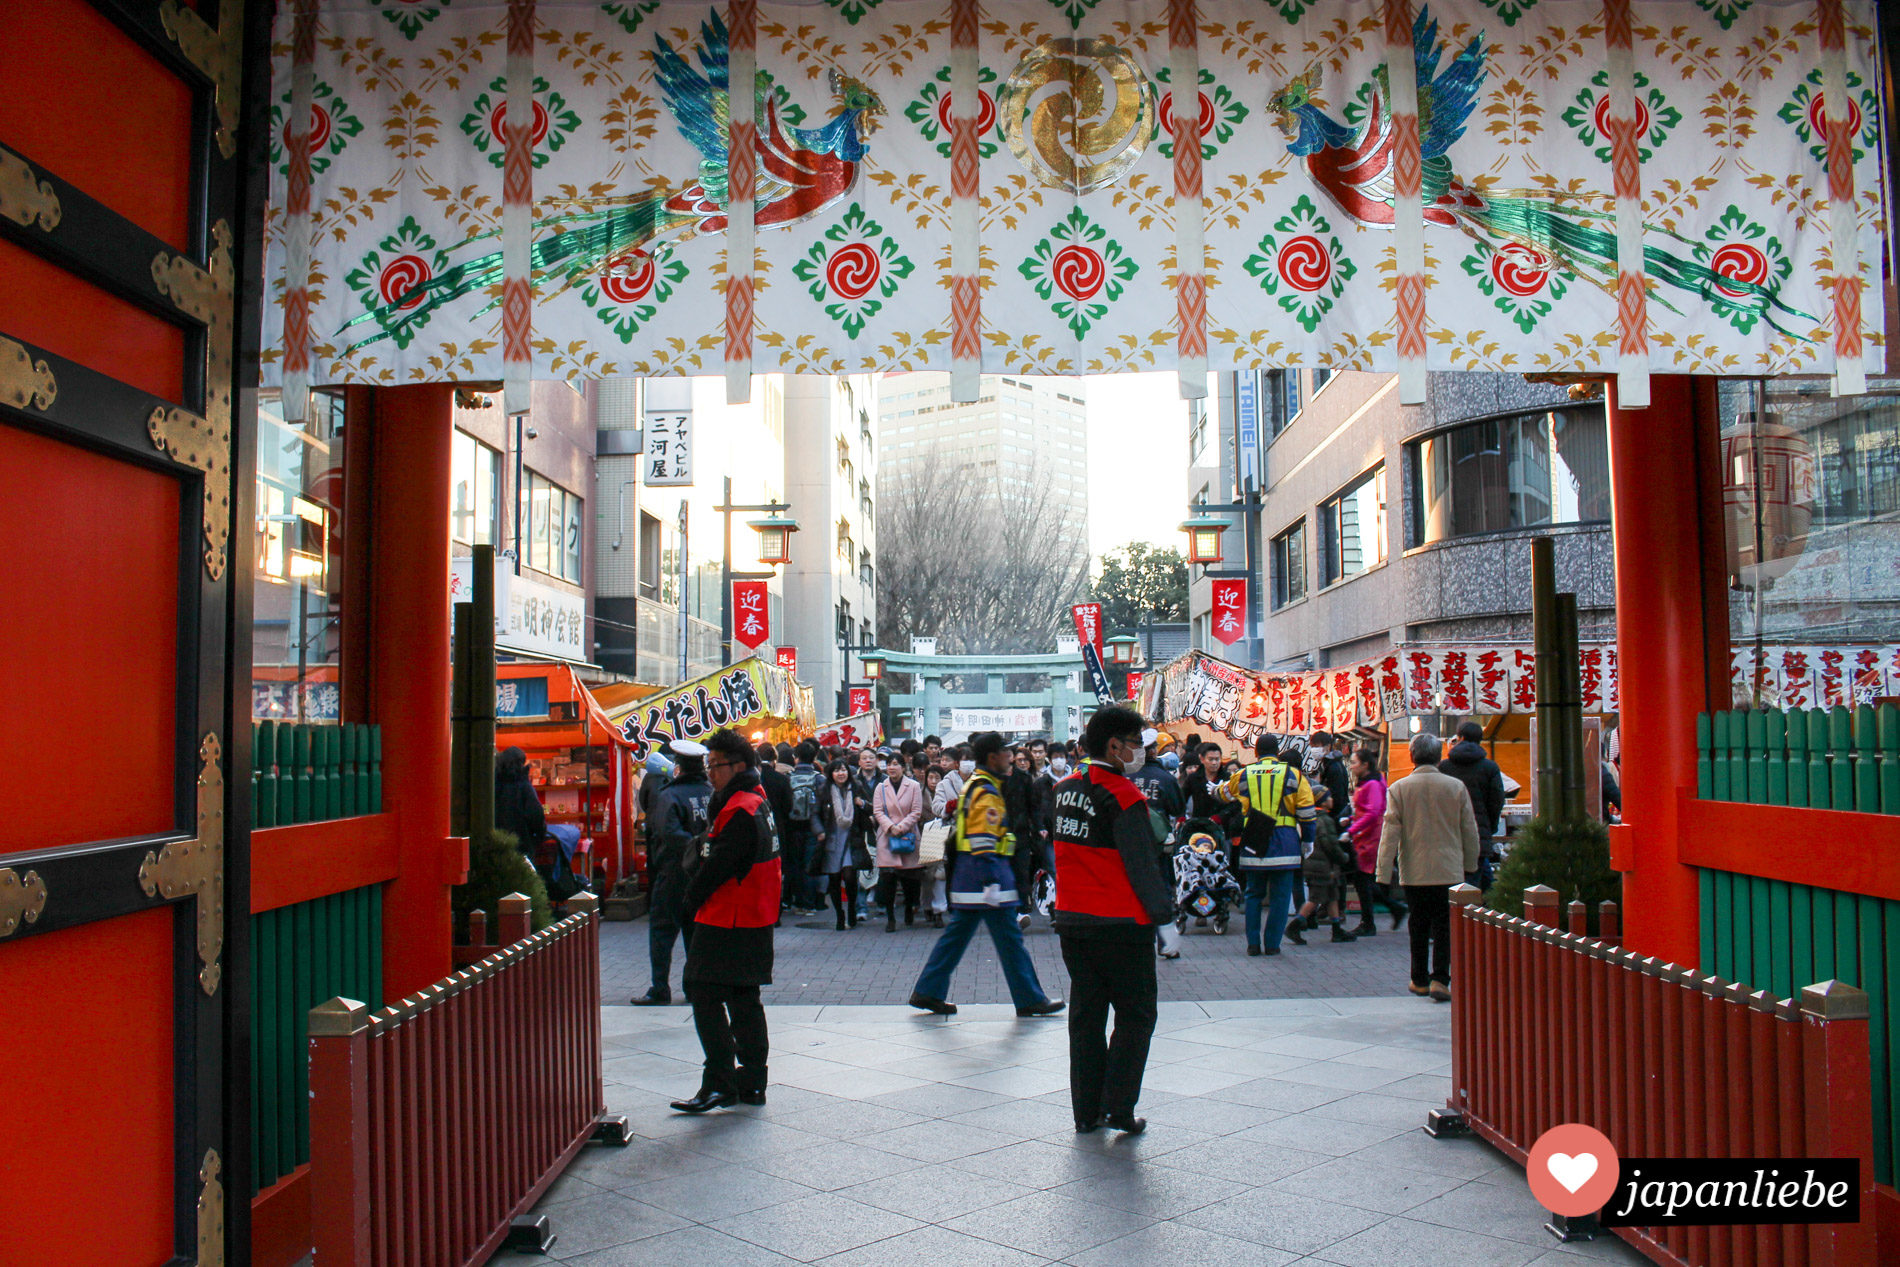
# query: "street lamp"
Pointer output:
{"type": "Point", "coordinates": [873, 658]}
{"type": "Point", "coordinates": [775, 539]}
{"type": "Point", "coordinates": [1121, 650]}
{"type": "Point", "coordinates": [775, 536]}
{"type": "Point", "coordinates": [1204, 534]}
{"type": "Point", "coordinates": [873, 667]}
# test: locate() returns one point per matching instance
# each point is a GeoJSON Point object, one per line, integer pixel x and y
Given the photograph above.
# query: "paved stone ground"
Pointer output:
{"type": "Point", "coordinates": [816, 964]}
{"type": "Point", "coordinates": [1281, 1131]}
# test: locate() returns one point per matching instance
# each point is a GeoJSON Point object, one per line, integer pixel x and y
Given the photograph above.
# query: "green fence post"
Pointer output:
{"type": "Point", "coordinates": [1819, 794]}
{"type": "Point", "coordinates": [1719, 776]}
{"type": "Point", "coordinates": [264, 751]}
{"type": "Point", "coordinates": [1704, 766]}
{"type": "Point", "coordinates": [1796, 727]}
{"type": "Point", "coordinates": [1866, 769]}
{"type": "Point", "coordinates": [299, 773]}
{"type": "Point", "coordinates": [1738, 755]}
{"type": "Point", "coordinates": [1754, 734]}
{"type": "Point", "coordinates": [1889, 725]}
{"type": "Point", "coordinates": [1774, 740]}
{"type": "Point", "coordinates": [1840, 757]}
{"type": "Point", "coordinates": [376, 769]}
{"type": "Point", "coordinates": [347, 776]}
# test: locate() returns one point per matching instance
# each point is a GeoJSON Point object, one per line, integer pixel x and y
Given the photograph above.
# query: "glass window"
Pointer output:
{"type": "Point", "coordinates": [474, 508]}
{"type": "Point", "coordinates": [1811, 509]}
{"type": "Point", "coordinates": [1352, 527]}
{"type": "Point", "coordinates": [649, 555]}
{"type": "Point", "coordinates": [297, 579]}
{"type": "Point", "coordinates": [1525, 471]}
{"type": "Point", "coordinates": [554, 529]}
{"type": "Point", "coordinates": [1289, 565]}
{"type": "Point", "coordinates": [538, 491]}
{"type": "Point", "coordinates": [1320, 379]}
{"type": "Point", "coordinates": [571, 555]}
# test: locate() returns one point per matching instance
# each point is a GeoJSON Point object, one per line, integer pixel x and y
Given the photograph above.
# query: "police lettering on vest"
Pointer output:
{"type": "Point", "coordinates": [1091, 878]}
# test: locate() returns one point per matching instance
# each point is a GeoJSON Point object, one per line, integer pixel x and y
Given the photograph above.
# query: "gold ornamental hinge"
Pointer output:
{"type": "Point", "coordinates": [203, 443]}
{"type": "Point", "coordinates": [195, 868]}
{"type": "Point", "coordinates": [24, 197]}
{"type": "Point", "coordinates": [24, 381]}
{"type": "Point", "coordinates": [210, 1211]}
{"type": "Point", "coordinates": [22, 898]}
{"type": "Point", "coordinates": [217, 53]}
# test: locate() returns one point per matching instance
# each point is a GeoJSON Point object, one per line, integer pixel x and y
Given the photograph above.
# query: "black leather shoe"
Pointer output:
{"type": "Point", "coordinates": [1253, 950]}
{"type": "Point", "coordinates": [1340, 934]}
{"type": "Point", "coordinates": [929, 1004]}
{"type": "Point", "coordinates": [1365, 929]}
{"type": "Point", "coordinates": [706, 1099]}
{"type": "Point", "coordinates": [1271, 950]}
{"type": "Point", "coordinates": [752, 1097]}
{"type": "Point", "coordinates": [1048, 1007]}
{"type": "Point", "coordinates": [1087, 1128]}
{"type": "Point", "coordinates": [1294, 935]}
{"type": "Point", "coordinates": [652, 998]}
{"type": "Point", "coordinates": [1126, 1123]}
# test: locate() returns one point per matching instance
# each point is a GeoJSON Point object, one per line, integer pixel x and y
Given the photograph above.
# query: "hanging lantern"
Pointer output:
{"type": "Point", "coordinates": [1204, 534]}
{"type": "Point", "coordinates": [1121, 650]}
{"type": "Point", "coordinates": [873, 667]}
{"type": "Point", "coordinates": [775, 539]}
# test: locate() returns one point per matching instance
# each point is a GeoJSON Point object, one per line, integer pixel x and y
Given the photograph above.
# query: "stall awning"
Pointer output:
{"type": "Point", "coordinates": [751, 696]}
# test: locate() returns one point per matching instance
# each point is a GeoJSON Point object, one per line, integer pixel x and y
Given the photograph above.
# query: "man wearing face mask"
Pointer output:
{"type": "Point", "coordinates": [1110, 900]}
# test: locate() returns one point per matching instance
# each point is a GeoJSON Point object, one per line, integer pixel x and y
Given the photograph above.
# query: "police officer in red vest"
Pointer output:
{"type": "Point", "coordinates": [1110, 900]}
{"type": "Point", "coordinates": [732, 899]}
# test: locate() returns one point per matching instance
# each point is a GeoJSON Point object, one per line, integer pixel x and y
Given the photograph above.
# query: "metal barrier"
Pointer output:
{"type": "Point", "coordinates": [439, 1121]}
{"type": "Point", "coordinates": [1550, 1027]}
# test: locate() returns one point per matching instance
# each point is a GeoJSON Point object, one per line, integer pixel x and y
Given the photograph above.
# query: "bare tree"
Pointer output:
{"type": "Point", "coordinates": [987, 566]}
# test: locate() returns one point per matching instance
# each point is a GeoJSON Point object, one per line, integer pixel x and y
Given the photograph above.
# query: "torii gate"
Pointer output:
{"type": "Point", "coordinates": [926, 705]}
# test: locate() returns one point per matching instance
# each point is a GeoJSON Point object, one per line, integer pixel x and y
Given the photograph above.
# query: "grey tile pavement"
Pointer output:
{"type": "Point", "coordinates": [1309, 1152]}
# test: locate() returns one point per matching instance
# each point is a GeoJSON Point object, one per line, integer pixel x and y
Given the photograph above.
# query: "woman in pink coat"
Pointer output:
{"type": "Point", "coordinates": [898, 808]}
{"type": "Point", "coordinates": [1368, 817]}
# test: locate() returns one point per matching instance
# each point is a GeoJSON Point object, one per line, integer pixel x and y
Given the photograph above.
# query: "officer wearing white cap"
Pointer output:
{"type": "Point", "coordinates": [677, 819]}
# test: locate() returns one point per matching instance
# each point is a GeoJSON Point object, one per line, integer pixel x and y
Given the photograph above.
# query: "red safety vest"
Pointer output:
{"type": "Point", "coordinates": [1090, 877]}
{"type": "Point", "coordinates": [749, 900]}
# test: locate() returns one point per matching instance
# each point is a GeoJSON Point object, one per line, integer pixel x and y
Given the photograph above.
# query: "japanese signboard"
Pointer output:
{"type": "Point", "coordinates": [667, 459]}
{"type": "Point", "coordinates": [529, 616]}
{"type": "Point", "coordinates": [1088, 624]}
{"type": "Point", "coordinates": [788, 659]}
{"type": "Point", "coordinates": [1098, 680]}
{"type": "Point", "coordinates": [1008, 720]}
{"type": "Point", "coordinates": [521, 697]}
{"type": "Point", "coordinates": [1229, 617]}
{"type": "Point", "coordinates": [1134, 684]}
{"type": "Point", "coordinates": [745, 695]}
{"type": "Point", "coordinates": [751, 613]}
{"type": "Point", "coordinates": [860, 730]}
{"type": "Point", "coordinates": [923, 646]}
{"type": "Point", "coordinates": [860, 700]}
{"type": "Point", "coordinates": [1247, 416]}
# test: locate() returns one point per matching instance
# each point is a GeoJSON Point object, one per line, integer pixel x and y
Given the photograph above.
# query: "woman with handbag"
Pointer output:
{"type": "Point", "coordinates": [831, 857]}
{"type": "Point", "coordinates": [898, 809]}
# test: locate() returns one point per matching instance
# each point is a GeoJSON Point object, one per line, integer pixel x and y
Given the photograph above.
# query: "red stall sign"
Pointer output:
{"type": "Point", "coordinates": [788, 659]}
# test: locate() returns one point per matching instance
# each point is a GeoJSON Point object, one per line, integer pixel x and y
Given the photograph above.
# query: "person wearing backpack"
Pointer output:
{"type": "Point", "coordinates": [801, 829]}
{"type": "Point", "coordinates": [678, 820]}
{"type": "Point", "coordinates": [1278, 804]}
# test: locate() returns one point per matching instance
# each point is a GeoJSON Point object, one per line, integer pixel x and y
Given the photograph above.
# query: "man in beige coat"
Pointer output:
{"type": "Point", "coordinates": [1430, 838]}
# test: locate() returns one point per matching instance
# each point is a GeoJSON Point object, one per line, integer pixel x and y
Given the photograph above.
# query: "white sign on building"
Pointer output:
{"type": "Point", "coordinates": [923, 646]}
{"type": "Point", "coordinates": [975, 720]}
{"type": "Point", "coordinates": [529, 616]}
{"type": "Point", "coordinates": [667, 459]}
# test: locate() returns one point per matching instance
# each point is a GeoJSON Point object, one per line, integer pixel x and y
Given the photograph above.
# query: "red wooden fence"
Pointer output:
{"type": "Point", "coordinates": [437, 1122]}
{"type": "Point", "coordinates": [1550, 1027]}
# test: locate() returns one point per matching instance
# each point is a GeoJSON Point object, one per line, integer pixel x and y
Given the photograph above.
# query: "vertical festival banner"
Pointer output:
{"type": "Point", "coordinates": [1230, 610]}
{"type": "Point", "coordinates": [1134, 684]}
{"type": "Point", "coordinates": [751, 617]}
{"type": "Point", "coordinates": [788, 659]}
{"type": "Point", "coordinates": [1088, 624]}
{"type": "Point", "coordinates": [860, 701]}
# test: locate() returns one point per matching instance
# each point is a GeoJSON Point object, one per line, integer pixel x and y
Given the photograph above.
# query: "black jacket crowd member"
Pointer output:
{"type": "Point", "coordinates": [1109, 901]}
{"type": "Point", "coordinates": [673, 828]}
{"type": "Point", "coordinates": [732, 897]}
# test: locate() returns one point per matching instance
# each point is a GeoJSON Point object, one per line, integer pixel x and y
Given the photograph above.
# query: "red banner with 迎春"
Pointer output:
{"type": "Point", "coordinates": [860, 701]}
{"type": "Point", "coordinates": [788, 658]}
{"type": "Point", "coordinates": [751, 617]}
{"type": "Point", "coordinates": [1134, 685]}
{"type": "Point", "coordinates": [1088, 624]}
{"type": "Point", "coordinates": [1230, 610]}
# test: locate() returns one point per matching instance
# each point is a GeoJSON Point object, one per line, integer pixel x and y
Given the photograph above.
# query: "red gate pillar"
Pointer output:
{"type": "Point", "coordinates": [410, 434]}
{"type": "Point", "coordinates": [1656, 470]}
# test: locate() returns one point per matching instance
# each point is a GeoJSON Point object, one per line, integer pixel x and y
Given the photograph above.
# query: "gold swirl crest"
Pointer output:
{"type": "Point", "coordinates": [1077, 113]}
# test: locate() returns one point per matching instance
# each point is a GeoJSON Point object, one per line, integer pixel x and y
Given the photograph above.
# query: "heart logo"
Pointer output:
{"type": "Point", "coordinates": [1572, 1172]}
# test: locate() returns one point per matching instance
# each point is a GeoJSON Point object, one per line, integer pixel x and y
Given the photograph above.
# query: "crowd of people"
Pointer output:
{"type": "Point", "coordinates": [1122, 840]}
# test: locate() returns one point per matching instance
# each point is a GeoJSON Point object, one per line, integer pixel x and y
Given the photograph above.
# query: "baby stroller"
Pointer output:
{"type": "Point", "coordinates": [1204, 887]}
{"type": "Point", "coordinates": [556, 858]}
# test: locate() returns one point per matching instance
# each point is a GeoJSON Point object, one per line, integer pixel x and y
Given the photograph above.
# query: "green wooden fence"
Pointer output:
{"type": "Point", "coordinates": [1819, 758]}
{"type": "Point", "coordinates": [1776, 936]}
{"type": "Point", "coordinates": [308, 774]}
{"type": "Point", "coordinates": [300, 956]}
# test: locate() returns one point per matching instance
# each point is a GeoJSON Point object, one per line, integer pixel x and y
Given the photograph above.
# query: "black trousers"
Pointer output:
{"type": "Point", "coordinates": [731, 1023]}
{"type": "Point", "coordinates": [1431, 931]}
{"type": "Point", "coordinates": [1104, 972]}
{"type": "Point", "coordinates": [887, 881]}
{"type": "Point", "coordinates": [666, 920]}
{"type": "Point", "coordinates": [843, 886]}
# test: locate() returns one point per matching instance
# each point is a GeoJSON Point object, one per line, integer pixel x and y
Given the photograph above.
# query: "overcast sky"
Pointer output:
{"type": "Point", "coordinates": [1137, 460]}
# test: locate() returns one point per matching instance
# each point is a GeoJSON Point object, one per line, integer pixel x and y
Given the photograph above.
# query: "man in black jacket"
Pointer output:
{"type": "Point", "coordinates": [1327, 768]}
{"type": "Point", "coordinates": [1468, 763]}
{"type": "Point", "coordinates": [673, 827]}
{"type": "Point", "coordinates": [732, 895]}
{"type": "Point", "coordinates": [777, 785]}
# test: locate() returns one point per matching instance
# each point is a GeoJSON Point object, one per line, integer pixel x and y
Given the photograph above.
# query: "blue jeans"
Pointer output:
{"type": "Point", "coordinates": [1024, 989]}
{"type": "Point", "coordinates": [1275, 885]}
